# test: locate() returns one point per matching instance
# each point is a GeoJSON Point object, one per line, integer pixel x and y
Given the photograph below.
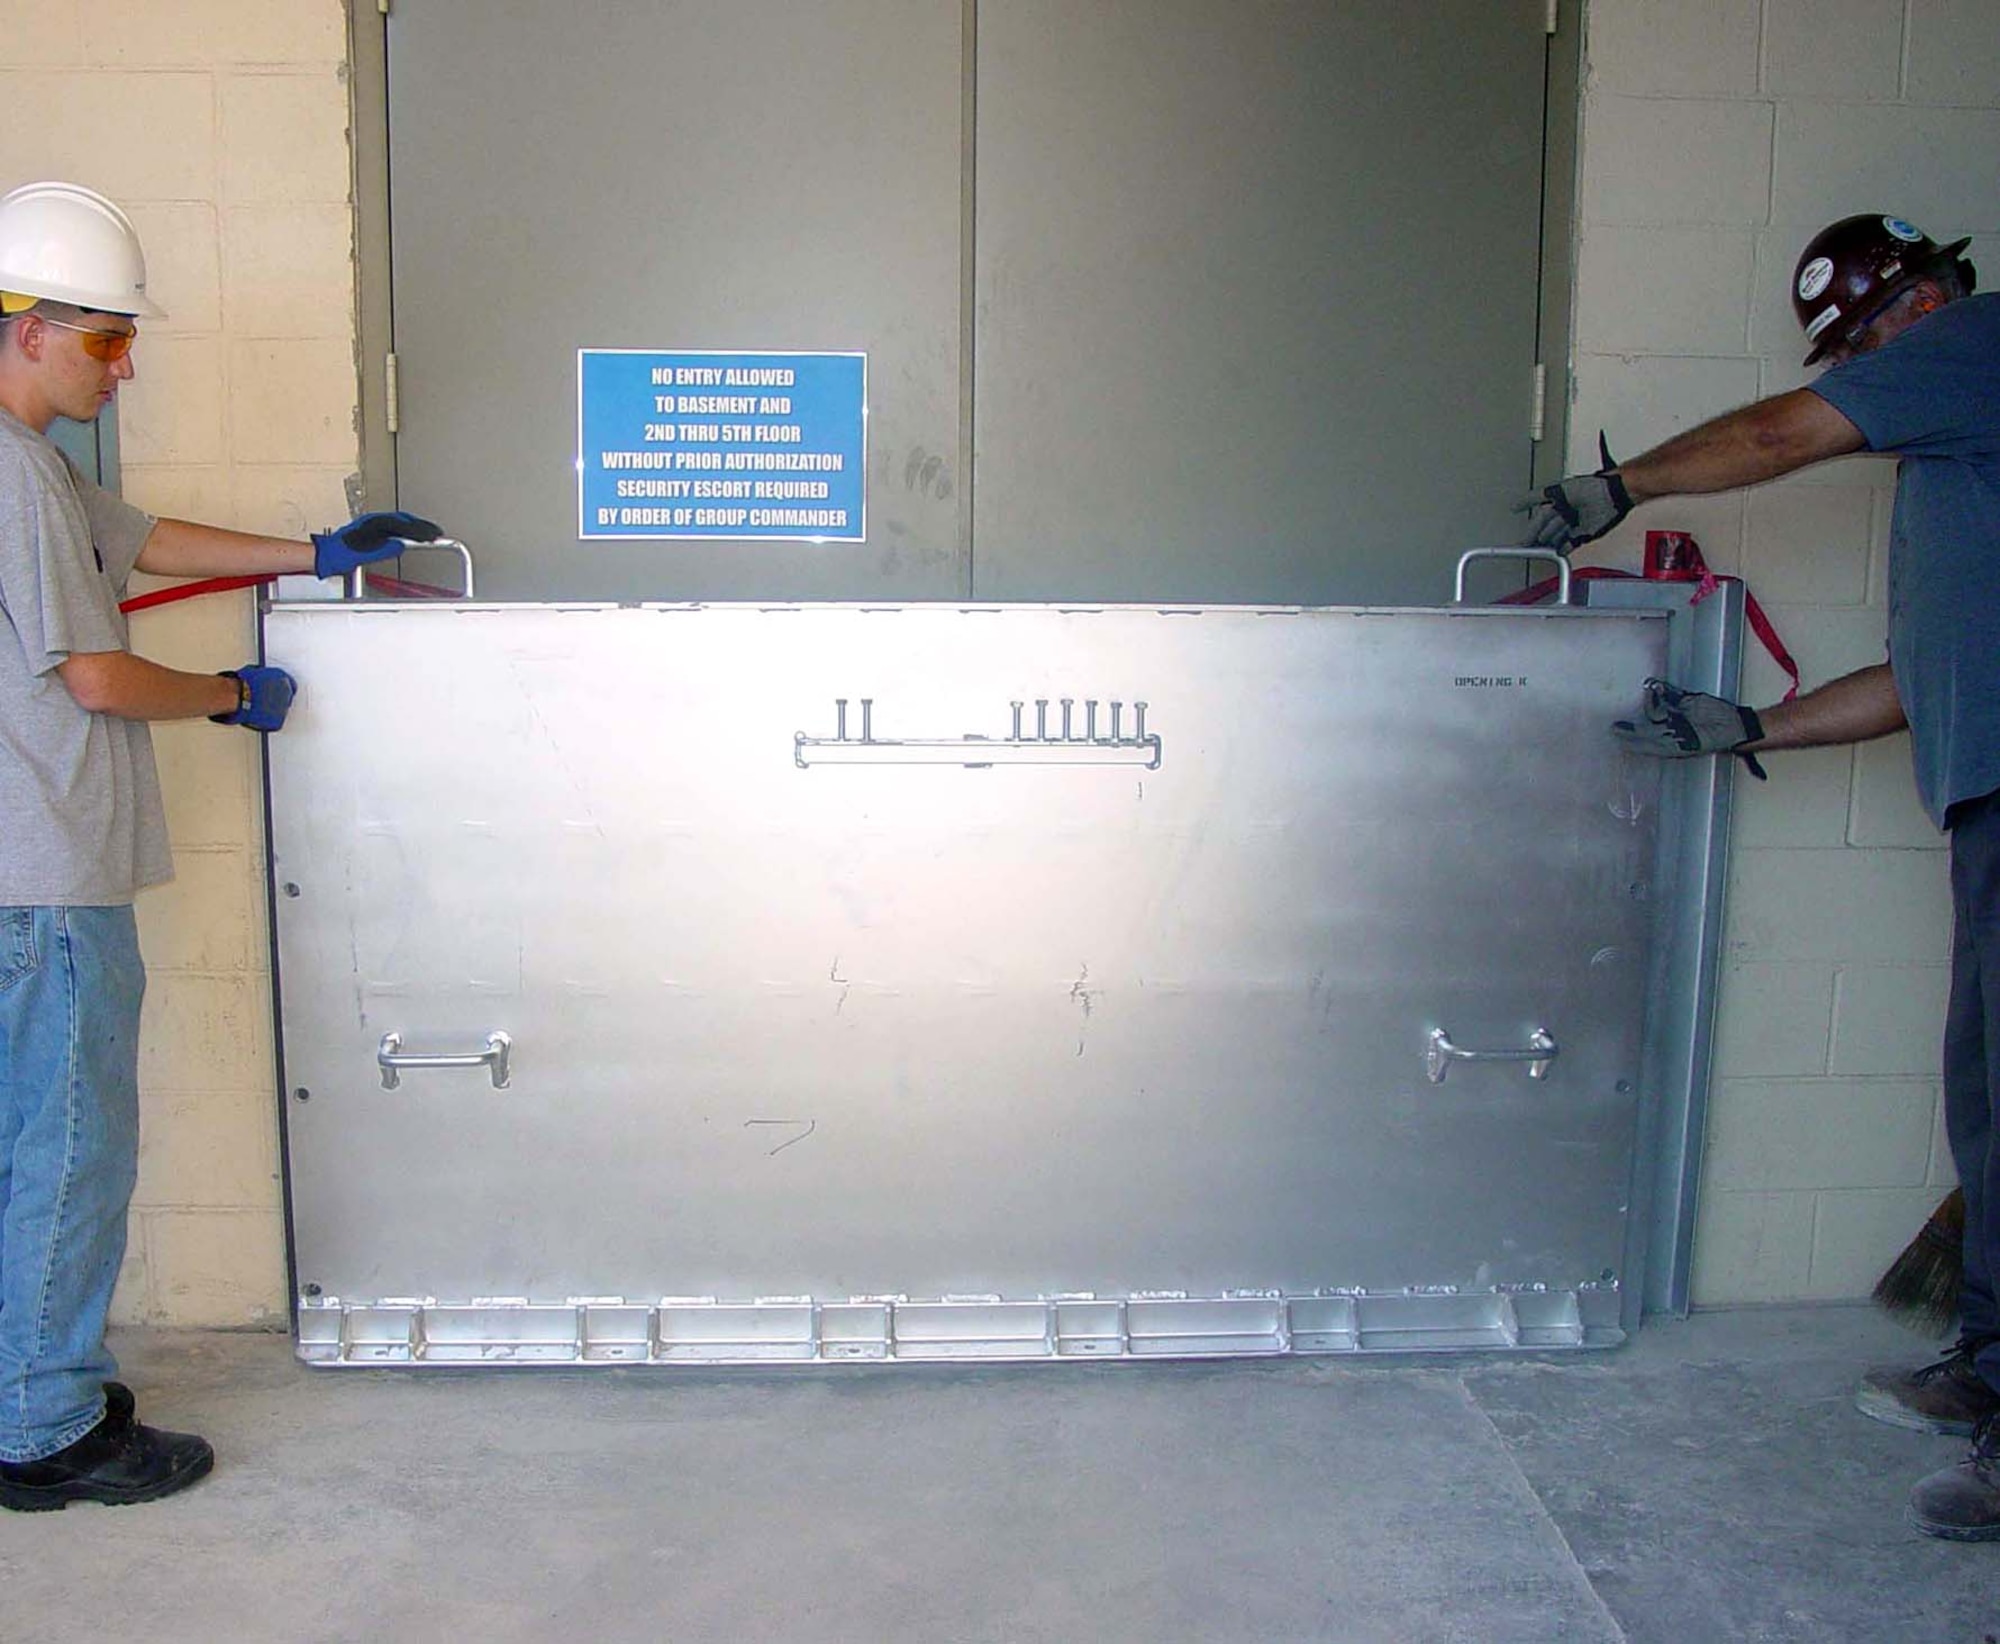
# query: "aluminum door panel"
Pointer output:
{"type": "Point", "coordinates": [831, 1030]}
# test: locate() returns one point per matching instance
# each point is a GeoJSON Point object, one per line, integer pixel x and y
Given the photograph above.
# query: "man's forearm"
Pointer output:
{"type": "Point", "coordinates": [181, 548]}
{"type": "Point", "coordinates": [130, 687]}
{"type": "Point", "coordinates": [1743, 447]}
{"type": "Point", "coordinates": [1856, 707]}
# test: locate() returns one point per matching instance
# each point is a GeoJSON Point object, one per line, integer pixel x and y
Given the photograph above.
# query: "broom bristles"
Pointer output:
{"type": "Point", "coordinates": [1921, 1287]}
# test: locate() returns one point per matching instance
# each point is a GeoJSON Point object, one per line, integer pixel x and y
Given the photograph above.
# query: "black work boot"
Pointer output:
{"type": "Point", "coordinates": [117, 1462]}
{"type": "Point", "coordinates": [1962, 1503]}
{"type": "Point", "coordinates": [1949, 1396]}
{"type": "Point", "coordinates": [118, 1400]}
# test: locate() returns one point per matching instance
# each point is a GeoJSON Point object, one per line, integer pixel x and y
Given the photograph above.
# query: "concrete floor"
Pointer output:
{"type": "Point", "coordinates": [1708, 1481]}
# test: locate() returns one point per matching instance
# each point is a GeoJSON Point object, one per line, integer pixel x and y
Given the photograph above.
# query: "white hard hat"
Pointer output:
{"type": "Point", "coordinates": [71, 245]}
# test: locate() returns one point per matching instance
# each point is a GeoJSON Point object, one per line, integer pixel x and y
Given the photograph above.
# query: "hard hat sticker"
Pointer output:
{"type": "Point", "coordinates": [1901, 229]}
{"type": "Point", "coordinates": [1824, 318]}
{"type": "Point", "coordinates": [1815, 277]}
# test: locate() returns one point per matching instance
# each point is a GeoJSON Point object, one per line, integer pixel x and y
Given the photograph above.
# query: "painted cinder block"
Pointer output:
{"type": "Point", "coordinates": [283, 141]}
{"type": "Point", "coordinates": [198, 491]}
{"type": "Point", "coordinates": [1802, 807]}
{"type": "Point", "coordinates": [1847, 906]}
{"type": "Point", "coordinates": [1943, 1172]}
{"type": "Point", "coordinates": [1931, 165]}
{"type": "Point", "coordinates": [183, 266]}
{"type": "Point", "coordinates": [1638, 402]}
{"type": "Point", "coordinates": [203, 635]}
{"type": "Point", "coordinates": [1886, 808]}
{"type": "Point", "coordinates": [132, 1299]}
{"type": "Point", "coordinates": [200, 921]}
{"type": "Point", "coordinates": [1954, 53]}
{"type": "Point", "coordinates": [1775, 334]}
{"type": "Point", "coordinates": [132, 34]}
{"type": "Point", "coordinates": [135, 137]}
{"type": "Point", "coordinates": [1856, 1234]}
{"type": "Point", "coordinates": [1774, 1135]}
{"type": "Point", "coordinates": [216, 1269]}
{"type": "Point", "coordinates": [1824, 641]}
{"type": "Point", "coordinates": [39, 35]}
{"type": "Point", "coordinates": [206, 1033]}
{"type": "Point", "coordinates": [1773, 1020]}
{"type": "Point", "coordinates": [1678, 290]}
{"type": "Point", "coordinates": [1847, 49]}
{"type": "Point", "coordinates": [1809, 544]}
{"type": "Point", "coordinates": [1695, 48]}
{"type": "Point", "coordinates": [288, 501]}
{"type": "Point", "coordinates": [1751, 1247]}
{"type": "Point", "coordinates": [286, 271]}
{"type": "Point", "coordinates": [171, 412]}
{"type": "Point", "coordinates": [293, 402]}
{"type": "Point", "coordinates": [212, 1149]}
{"type": "Point", "coordinates": [147, 34]}
{"type": "Point", "coordinates": [208, 776]}
{"type": "Point", "coordinates": [1889, 1019]}
{"type": "Point", "coordinates": [1673, 160]}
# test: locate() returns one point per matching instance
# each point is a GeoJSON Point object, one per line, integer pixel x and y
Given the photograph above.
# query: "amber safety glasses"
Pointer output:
{"type": "Point", "coordinates": [99, 345]}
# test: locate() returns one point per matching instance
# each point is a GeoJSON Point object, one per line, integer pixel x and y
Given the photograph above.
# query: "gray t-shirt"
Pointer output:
{"type": "Point", "coordinates": [1932, 397]}
{"type": "Point", "coordinates": [81, 820]}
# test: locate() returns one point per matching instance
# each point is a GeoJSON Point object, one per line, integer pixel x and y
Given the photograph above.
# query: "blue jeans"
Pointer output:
{"type": "Point", "coordinates": [71, 982]}
{"type": "Point", "coordinates": [1972, 1066]}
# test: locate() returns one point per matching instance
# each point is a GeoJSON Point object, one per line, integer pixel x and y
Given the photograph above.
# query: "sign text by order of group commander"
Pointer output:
{"type": "Point", "coordinates": [712, 444]}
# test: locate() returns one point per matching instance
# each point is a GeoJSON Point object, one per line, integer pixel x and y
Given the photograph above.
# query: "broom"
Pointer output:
{"type": "Point", "coordinates": [1921, 1287]}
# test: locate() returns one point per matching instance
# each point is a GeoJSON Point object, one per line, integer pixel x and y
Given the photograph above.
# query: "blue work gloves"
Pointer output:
{"type": "Point", "coordinates": [1678, 724]}
{"type": "Point", "coordinates": [368, 537]}
{"type": "Point", "coordinates": [263, 697]}
{"type": "Point", "coordinates": [1578, 509]}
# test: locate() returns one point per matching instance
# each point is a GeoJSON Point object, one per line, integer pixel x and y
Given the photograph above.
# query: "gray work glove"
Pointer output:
{"type": "Point", "coordinates": [1573, 511]}
{"type": "Point", "coordinates": [1678, 724]}
{"type": "Point", "coordinates": [1578, 509]}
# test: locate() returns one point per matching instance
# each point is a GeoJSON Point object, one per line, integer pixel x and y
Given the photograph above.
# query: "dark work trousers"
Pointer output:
{"type": "Point", "coordinates": [1972, 1064]}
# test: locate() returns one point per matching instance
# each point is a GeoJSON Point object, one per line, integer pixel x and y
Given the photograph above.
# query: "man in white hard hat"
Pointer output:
{"type": "Point", "coordinates": [1914, 357]}
{"type": "Point", "coordinates": [84, 832]}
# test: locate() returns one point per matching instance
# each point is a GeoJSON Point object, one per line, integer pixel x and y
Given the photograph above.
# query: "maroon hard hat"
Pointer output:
{"type": "Point", "coordinates": [1854, 268]}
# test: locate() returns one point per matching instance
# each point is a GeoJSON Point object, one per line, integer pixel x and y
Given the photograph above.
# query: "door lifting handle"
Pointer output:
{"type": "Point", "coordinates": [391, 1058]}
{"type": "Point", "coordinates": [355, 585]}
{"type": "Point", "coordinates": [1541, 1051]}
{"type": "Point", "coordinates": [1561, 564]}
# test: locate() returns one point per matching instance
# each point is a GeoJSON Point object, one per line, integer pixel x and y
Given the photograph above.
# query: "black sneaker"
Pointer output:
{"type": "Point", "coordinates": [118, 1462]}
{"type": "Point", "coordinates": [1962, 1503]}
{"type": "Point", "coordinates": [1949, 1396]}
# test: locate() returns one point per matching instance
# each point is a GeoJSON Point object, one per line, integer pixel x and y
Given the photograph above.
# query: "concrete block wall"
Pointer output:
{"type": "Point", "coordinates": [222, 127]}
{"type": "Point", "coordinates": [1718, 137]}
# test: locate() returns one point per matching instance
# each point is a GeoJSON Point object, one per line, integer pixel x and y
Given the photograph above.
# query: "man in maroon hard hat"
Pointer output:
{"type": "Point", "coordinates": [1913, 361]}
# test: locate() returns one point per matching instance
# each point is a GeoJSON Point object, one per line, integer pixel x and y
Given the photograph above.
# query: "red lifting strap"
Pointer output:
{"type": "Point", "coordinates": [394, 587]}
{"type": "Point", "coordinates": [1674, 556]}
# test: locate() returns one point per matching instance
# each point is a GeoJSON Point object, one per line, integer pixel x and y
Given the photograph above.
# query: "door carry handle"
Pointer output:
{"type": "Point", "coordinates": [1441, 1053]}
{"type": "Point", "coordinates": [392, 1059]}
{"type": "Point", "coordinates": [1471, 554]}
{"type": "Point", "coordinates": [355, 585]}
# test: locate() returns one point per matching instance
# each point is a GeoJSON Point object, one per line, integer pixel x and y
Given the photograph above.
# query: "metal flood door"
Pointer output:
{"type": "Point", "coordinates": [674, 984]}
